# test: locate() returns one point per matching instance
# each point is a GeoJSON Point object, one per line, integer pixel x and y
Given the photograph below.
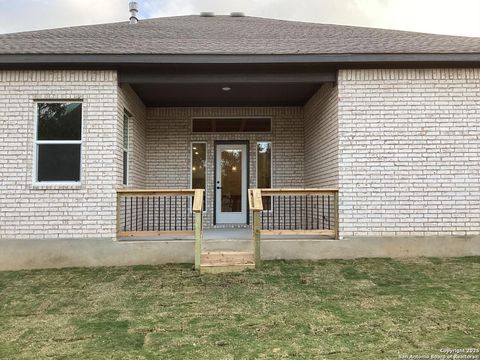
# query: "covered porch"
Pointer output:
{"type": "Point", "coordinates": [228, 132]}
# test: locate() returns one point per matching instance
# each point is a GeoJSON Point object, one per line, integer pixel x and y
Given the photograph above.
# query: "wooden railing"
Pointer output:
{"type": "Point", "coordinates": [154, 212]}
{"type": "Point", "coordinates": [293, 212]}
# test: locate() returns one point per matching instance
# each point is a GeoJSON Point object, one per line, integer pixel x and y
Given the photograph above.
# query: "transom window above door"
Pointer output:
{"type": "Point", "coordinates": [224, 125]}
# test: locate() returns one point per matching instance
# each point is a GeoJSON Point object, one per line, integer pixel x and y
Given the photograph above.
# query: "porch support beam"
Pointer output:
{"type": "Point", "coordinates": [227, 78]}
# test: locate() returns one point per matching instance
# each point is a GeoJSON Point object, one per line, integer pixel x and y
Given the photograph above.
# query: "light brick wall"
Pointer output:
{"type": "Point", "coordinates": [169, 137]}
{"type": "Point", "coordinates": [30, 211]}
{"type": "Point", "coordinates": [409, 152]}
{"type": "Point", "coordinates": [128, 100]}
{"type": "Point", "coordinates": [321, 138]}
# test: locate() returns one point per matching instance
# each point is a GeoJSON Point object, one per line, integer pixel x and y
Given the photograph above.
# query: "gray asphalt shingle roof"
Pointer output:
{"type": "Point", "coordinates": [230, 35]}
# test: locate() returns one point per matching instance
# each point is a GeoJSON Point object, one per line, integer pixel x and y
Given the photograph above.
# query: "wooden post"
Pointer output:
{"type": "Point", "coordinates": [119, 221]}
{"type": "Point", "coordinates": [257, 207]}
{"type": "Point", "coordinates": [336, 215]}
{"type": "Point", "coordinates": [256, 239]}
{"type": "Point", "coordinates": [198, 209]}
{"type": "Point", "coordinates": [198, 239]}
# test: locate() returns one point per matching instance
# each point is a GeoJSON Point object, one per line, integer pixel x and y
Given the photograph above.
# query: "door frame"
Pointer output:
{"type": "Point", "coordinates": [228, 142]}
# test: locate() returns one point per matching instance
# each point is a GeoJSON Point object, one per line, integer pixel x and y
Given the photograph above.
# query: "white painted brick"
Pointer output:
{"type": "Point", "coordinates": [52, 212]}
{"type": "Point", "coordinates": [414, 135]}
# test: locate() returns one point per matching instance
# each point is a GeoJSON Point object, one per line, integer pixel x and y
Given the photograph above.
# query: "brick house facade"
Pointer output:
{"type": "Point", "coordinates": [401, 145]}
{"type": "Point", "coordinates": [372, 135]}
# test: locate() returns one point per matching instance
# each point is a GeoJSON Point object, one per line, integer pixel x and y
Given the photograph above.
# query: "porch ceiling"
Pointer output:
{"type": "Point", "coordinates": [248, 87]}
{"type": "Point", "coordinates": [179, 95]}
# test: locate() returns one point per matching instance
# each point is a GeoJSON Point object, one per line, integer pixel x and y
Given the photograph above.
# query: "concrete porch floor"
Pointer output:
{"type": "Point", "coordinates": [224, 239]}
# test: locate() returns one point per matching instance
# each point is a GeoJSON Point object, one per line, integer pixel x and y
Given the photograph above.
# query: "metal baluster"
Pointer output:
{"type": "Point", "coordinates": [289, 212]}
{"type": "Point", "coordinates": [301, 212]}
{"type": "Point", "coordinates": [136, 213]}
{"type": "Point", "coordinates": [284, 213]}
{"type": "Point", "coordinates": [323, 212]}
{"type": "Point", "coordinates": [191, 214]}
{"type": "Point", "coordinates": [273, 211]}
{"type": "Point", "coordinates": [148, 213]}
{"type": "Point", "coordinates": [311, 210]}
{"type": "Point", "coordinates": [269, 202]}
{"type": "Point", "coordinates": [159, 212]}
{"type": "Point", "coordinates": [175, 213]}
{"type": "Point", "coordinates": [143, 209]}
{"type": "Point", "coordinates": [131, 213]}
{"type": "Point", "coordinates": [318, 214]}
{"type": "Point", "coordinates": [164, 213]}
{"type": "Point", "coordinates": [181, 212]}
{"type": "Point", "coordinates": [186, 212]}
{"type": "Point", "coordinates": [262, 213]}
{"type": "Point", "coordinates": [125, 214]}
{"type": "Point", "coordinates": [279, 212]}
{"type": "Point", "coordinates": [328, 198]}
{"type": "Point", "coordinates": [295, 210]}
{"type": "Point", "coordinates": [170, 213]}
{"type": "Point", "coordinates": [306, 212]}
{"type": "Point", "coordinates": [153, 214]}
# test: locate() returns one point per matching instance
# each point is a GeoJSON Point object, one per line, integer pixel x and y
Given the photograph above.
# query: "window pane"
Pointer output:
{"type": "Point", "coordinates": [264, 164]}
{"type": "Point", "coordinates": [60, 121]}
{"type": "Point", "coordinates": [59, 162]}
{"type": "Point", "coordinates": [125, 147]}
{"type": "Point", "coordinates": [202, 125]}
{"type": "Point", "coordinates": [264, 168]}
{"type": "Point", "coordinates": [257, 125]}
{"type": "Point", "coordinates": [231, 181]}
{"type": "Point", "coordinates": [125, 131]}
{"type": "Point", "coordinates": [125, 168]}
{"type": "Point", "coordinates": [199, 163]}
{"type": "Point", "coordinates": [229, 125]}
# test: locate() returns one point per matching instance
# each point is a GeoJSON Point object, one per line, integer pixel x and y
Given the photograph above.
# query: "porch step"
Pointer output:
{"type": "Point", "coordinates": [226, 261]}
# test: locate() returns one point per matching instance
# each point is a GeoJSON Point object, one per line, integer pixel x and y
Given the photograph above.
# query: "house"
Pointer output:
{"type": "Point", "coordinates": [366, 136]}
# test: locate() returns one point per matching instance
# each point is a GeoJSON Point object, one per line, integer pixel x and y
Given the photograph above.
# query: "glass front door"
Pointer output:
{"type": "Point", "coordinates": [231, 184]}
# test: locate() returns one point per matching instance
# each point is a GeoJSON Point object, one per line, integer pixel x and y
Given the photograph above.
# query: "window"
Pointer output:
{"type": "Point", "coordinates": [231, 125]}
{"type": "Point", "coordinates": [199, 163]}
{"type": "Point", "coordinates": [126, 123]}
{"type": "Point", "coordinates": [58, 141]}
{"type": "Point", "coordinates": [264, 168]}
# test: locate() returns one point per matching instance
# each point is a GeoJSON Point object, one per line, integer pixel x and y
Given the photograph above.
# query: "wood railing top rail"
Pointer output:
{"type": "Point", "coordinates": [255, 195]}
{"type": "Point", "coordinates": [162, 192]}
{"type": "Point", "coordinates": [297, 192]}
{"type": "Point", "coordinates": [196, 193]}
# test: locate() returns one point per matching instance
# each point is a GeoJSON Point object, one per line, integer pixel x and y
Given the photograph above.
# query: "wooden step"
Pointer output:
{"type": "Point", "coordinates": [226, 261]}
{"type": "Point", "coordinates": [224, 269]}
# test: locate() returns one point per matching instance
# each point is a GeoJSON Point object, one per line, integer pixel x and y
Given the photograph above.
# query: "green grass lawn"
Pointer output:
{"type": "Point", "coordinates": [356, 309]}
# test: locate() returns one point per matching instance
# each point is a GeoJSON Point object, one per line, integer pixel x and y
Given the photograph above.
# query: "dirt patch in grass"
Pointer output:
{"type": "Point", "coordinates": [356, 309]}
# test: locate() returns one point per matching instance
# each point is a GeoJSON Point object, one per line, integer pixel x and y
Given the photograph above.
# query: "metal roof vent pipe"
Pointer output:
{"type": "Point", "coordinates": [133, 6]}
{"type": "Point", "coordinates": [237, 14]}
{"type": "Point", "coordinates": [207, 14]}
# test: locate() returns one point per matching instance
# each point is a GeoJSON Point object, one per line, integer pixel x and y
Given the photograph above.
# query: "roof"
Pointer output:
{"type": "Point", "coordinates": [225, 35]}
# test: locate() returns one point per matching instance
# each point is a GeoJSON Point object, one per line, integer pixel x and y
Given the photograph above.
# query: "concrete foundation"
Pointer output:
{"type": "Point", "coordinates": [57, 253]}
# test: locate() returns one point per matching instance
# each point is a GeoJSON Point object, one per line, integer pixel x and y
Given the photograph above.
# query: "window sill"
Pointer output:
{"type": "Point", "coordinates": [56, 186]}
